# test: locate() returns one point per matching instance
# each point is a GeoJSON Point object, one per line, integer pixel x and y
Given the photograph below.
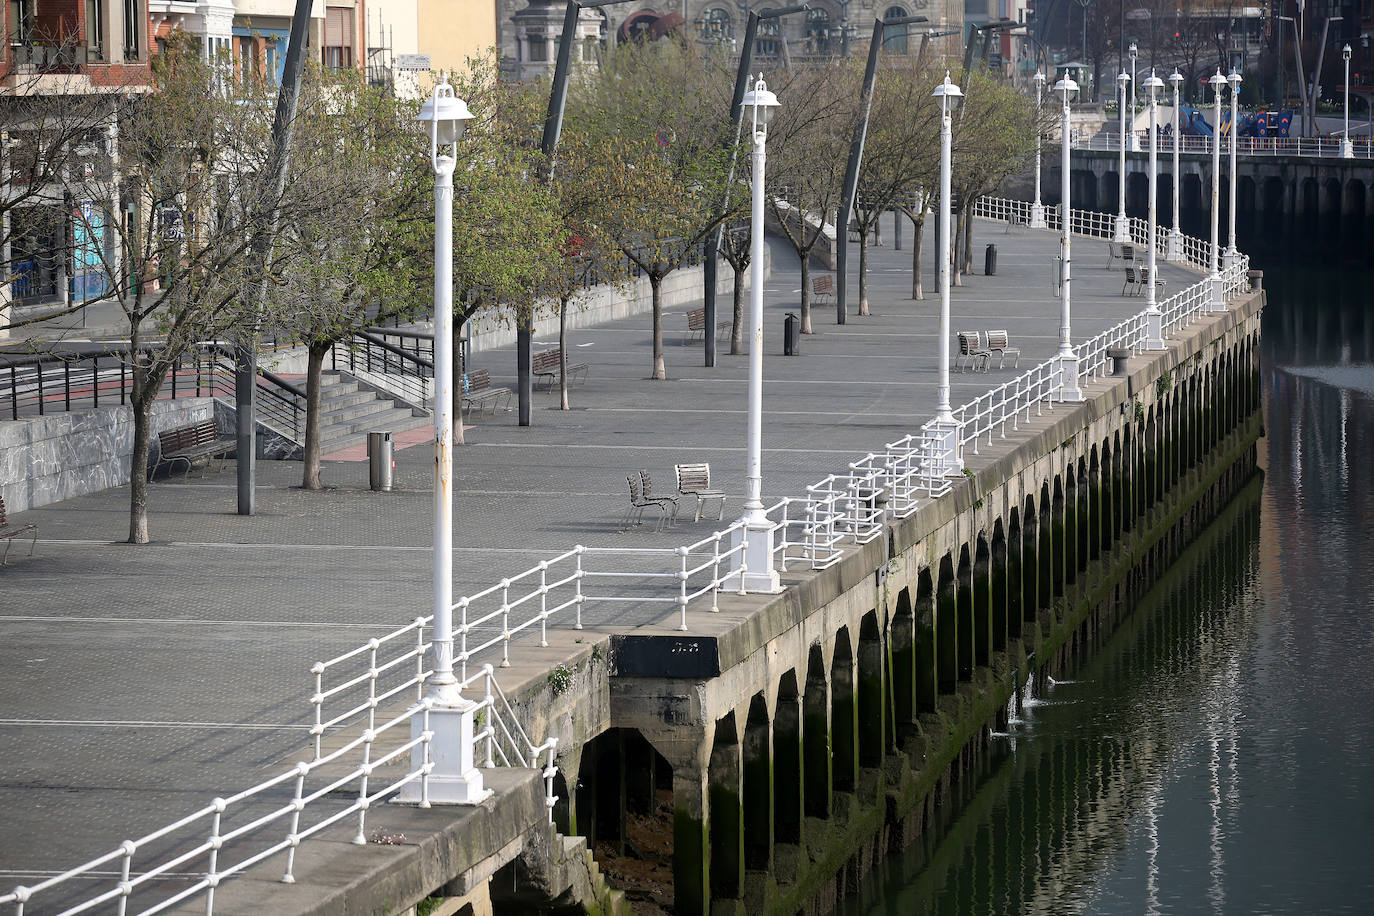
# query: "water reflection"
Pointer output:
{"type": "Point", "coordinates": [1216, 754]}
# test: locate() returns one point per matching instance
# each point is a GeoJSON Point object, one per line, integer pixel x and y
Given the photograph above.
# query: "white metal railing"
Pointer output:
{"type": "Point", "coordinates": [1315, 147]}
{"type": "Point", "coordinates": [356, 693]}
{"type": "Point", "coordinates": [230, 835]}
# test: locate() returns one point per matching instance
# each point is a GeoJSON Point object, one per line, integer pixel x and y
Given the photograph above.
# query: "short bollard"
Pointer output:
{"type": "Point", "coordinates": [1118, 356]}
{"type": "Point", "coordinates": [380, 463]}
{"type": "Point", "coordinates": [990, 261]}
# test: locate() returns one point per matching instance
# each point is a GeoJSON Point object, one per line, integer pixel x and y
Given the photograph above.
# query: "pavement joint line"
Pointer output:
{"type": "Point", "coordinates": [162, 621]}
{"type": "Point", "coordinates": [666, 448]}
{"type": "Point", "coordinates": [426, 548]}
{"type": "Point", "coordinates": [117, 723]}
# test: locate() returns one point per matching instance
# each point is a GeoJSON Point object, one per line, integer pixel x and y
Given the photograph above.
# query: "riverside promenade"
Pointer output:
{"type": "Point", "coordinates": [141, 682]}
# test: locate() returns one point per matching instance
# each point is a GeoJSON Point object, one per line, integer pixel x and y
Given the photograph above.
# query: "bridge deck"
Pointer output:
{"type": "Point", "coordinates": [140, 683]}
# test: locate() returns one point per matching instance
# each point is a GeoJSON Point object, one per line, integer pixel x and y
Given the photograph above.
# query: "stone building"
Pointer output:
{"type": "Point", "coordinates": [529, 29]}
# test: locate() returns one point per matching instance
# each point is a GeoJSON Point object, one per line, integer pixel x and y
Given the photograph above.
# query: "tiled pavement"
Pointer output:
{"type": "Point", "coordinates": [139, 682]}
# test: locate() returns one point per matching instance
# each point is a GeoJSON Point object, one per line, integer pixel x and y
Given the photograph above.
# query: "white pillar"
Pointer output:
{"type": "Point", "coordinates": [752, 568]}
{"type": "Point", "coordinates": [945, 428]}
{"type": "Point", "coordinates": [1037, 215]}
{"type": "Point", "coordinates": [1066, 362]}
{"type": "Point", "coordinates": [1121, 229]}
{"type": "Point", "coordinates": [1154, 327]}
{"type": "Point", "coordinates": [1347, 147]}
{"type": "Point", "coordinates": [1231, 253]}
{"type": "Point", "coordinates": [1175, 252]}
{"type": "Point", "coordinates": [1217, 82]}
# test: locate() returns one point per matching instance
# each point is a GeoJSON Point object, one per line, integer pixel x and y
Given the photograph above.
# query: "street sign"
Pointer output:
{"type": "Point", "coordinates": [412, 62]}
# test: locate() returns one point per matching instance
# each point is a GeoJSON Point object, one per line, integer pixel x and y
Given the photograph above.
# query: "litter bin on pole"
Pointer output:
{"type": "Point", "coordinates": [380, 463]}
{"type": "Point", "coordinates": [791, 335]}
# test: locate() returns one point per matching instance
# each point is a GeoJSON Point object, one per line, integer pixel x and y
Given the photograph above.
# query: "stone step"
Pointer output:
{"type": "Point", "coordinates": [396, 421]}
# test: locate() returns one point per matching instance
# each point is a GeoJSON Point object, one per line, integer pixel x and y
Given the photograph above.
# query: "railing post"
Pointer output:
{"type": "Point", "coordinates": [211, 873]}
{"type": "Point", "coordinates": [577, 581]}
{"type": "Point", "coordinates": [372, 684]}
{"type": "Point", "coordinates": [125, 888]}
{"type": "Point", "coordinates": [293, 838]}
{"type": "Point", "coordinates": [419, 659]}
{"type": "Point", "coordinates": [543, 603]}
{"type": "Point", "coordinates": [715, 576]}
{"type": "Point", "coordinates": [505, 623]}
{"type": "Point", "coordinates": [463, 637]}
{"type": "Point", "coordinates": [682, 586]}
{"type": "Point", "coordinates": [318, 702]}
{"type": "Point", "coordinates": [365, 769]}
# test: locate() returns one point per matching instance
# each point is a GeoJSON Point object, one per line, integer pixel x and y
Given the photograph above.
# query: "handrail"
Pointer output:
{"type": "Point", "coordinates": [399, 351]}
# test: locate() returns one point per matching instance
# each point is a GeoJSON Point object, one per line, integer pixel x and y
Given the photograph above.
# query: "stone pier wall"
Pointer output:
{"type": "Point", "coordinates": [818, 730]}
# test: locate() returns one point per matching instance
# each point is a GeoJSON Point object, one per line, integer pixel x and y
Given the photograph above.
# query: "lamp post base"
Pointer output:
{"type": "Point", "coordinates": [1037, 216]}
{"type": "Point", "coordinates": [1121, 228]}
{"type": "Point", "coordinates": [1174, 248]}
{"type": "Point", "coordinates": [1218, 294]}
{"type": "Point", "coordinates": [1229, 257]}
{"type": "Point", "coordinates": [1347, 148]}
{"type": "Point", "coordinates": [454, 779]}
{"type": "Point", "coordinates": [756, 535]}
{"type": "Point", "coordinates": [1066, 367]}
{"type": "Point", "coordinates": [1135, 142]}
{"type": "Point", "coordinates": [1154, 330]}
{"type": "Point", "coordinates": [944, 457]}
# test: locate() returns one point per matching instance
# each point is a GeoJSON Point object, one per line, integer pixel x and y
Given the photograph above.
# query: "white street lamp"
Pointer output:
{"type": "Point", "coordinates": [945, 427]}
{"type": "Point", "coordinates": [1231, 254]}
{"type": "Point", "coordinates": [1218, 83]}
{"type": "Point", "coordinates": [753, 562]}
{"type": "Point", "coordinates": [1347, 147]}
{"type": "Point", "coordinates": [1154, 321]}
{"type": "Point", "coordinates": [1135, 141]}
{"type": "Point", "coordinates": [1121, 230]}
{"type": "Point", "coordinates": [1175, 252]}
{"type": "Point", "coordinates": [1067, 360]}
{"type": "Point", "coordinates": [453, 779]}
{"type": "Point", "coordinates": [1037, 218]}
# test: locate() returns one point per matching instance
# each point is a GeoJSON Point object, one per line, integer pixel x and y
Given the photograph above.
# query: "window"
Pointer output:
{"type": "Point", "coordinates": [21, 22]}
{"type": "Point", "coordinates": [895, 37]}
{"type": "Point", "coordinates": [338, 38]}
{"type": "Point", "coordinates": [135, 21]}
{"type": "Point", "coordinates": [247, 56]}
{"type": "Point", "coordinates": [818, 31]}
{"type": "Point", "coordinates": [716, 26]}
{"type": "Point", "coordinates": [95, 29]}
{"type": "Point", "coordinates": [539, 48]}
{"type": "Point", "coordinates": [768, 42]}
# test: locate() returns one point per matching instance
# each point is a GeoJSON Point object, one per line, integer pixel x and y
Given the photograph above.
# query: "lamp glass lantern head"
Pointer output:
{"type": "Point", "coordinates": [1066, 86]}
{"type": "Point", "coordinates": [761, 104]}
{"type": "Point", "coordinates": [1218, 82]}
{"type": "Point", "coordinates": [1345, 53]}
{"type": "Point", "coordinates": [1039, 79]}
{"type": "Point", "coordinates": [1132, 50]}
{"type": "Point", "coordinates": [1176, 79]}
{"type": "Point", "coordinates": [1152, 86]}
{"type": "Point", "coordinates": [950, 95]}
{"type": "Point", "coordinates": [447, 115]}
{"type": "Point", "coordinates": [1235, 80]}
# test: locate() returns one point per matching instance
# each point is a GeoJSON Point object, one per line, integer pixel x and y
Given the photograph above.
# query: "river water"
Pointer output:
{"type": "Point", "coordinates": [1217, 754]}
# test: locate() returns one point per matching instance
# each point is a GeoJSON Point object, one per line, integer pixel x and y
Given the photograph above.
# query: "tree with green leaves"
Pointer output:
{"type": "Point", "coordinates": [358, 250]}
{"type": "Point", "coordinates": [652, 127]}
{"type": "Point", "coordinates": [808, 146]}
{"type": "Point", "coordinates": [189, 155]}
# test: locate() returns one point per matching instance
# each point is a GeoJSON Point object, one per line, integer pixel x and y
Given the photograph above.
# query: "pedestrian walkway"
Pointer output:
{"type": "Point", "coordinates": [140, 682]}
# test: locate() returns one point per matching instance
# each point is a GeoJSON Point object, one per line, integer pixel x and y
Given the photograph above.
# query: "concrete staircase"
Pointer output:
{"type": "Point", "coordinates": [348, 412]}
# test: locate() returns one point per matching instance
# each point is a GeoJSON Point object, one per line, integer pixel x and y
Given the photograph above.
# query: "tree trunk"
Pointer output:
{"type": "Point", "coordinates": [968, 238]}
{"type": "Point", "coordinates": [877, 234]}
{"type": "Point", "coordinates": [918, 228]}
{"type": "Point", "coordinates": [310, 479]}
{"type": "Point", "coordinates": [138, 469]}
{"type": "Point", "coordinates": [660, 371]}
{"type": "Point", "coordinates": [458, 368]}
{"type": "Point", "coordinates": [737, 328]}
{"type": "Point", "coordinates": [563, 353]}
{"type": "Point", "coordinates": [863, 271]}
{"type": "Point", "coordinates": [805, 291]}
{"type": "Point", "coordinates": [956, 257]}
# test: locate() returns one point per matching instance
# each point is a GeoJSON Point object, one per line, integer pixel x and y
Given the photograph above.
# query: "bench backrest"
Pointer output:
{"type": "Point", "coordinates": [691, 477]}
{"type": "Point", "coordinates": [997, 340]}
{"type": "Point", "coordinates": [696, 320]}
{"type": "Point", "coordinates": [969, 342]}
{"type": "Point", "coordinates": [477, 380]}
{"type": "Point", "coordinates": [825, 283]}
{"type": "Point", "coordinates": [635, 496]}
{"type": "Point", "coordinates": [546, 360]}
{"type": "Point", "coordinates": [1130, 275]}
{"type": "Point", "coordinates": [1127, 252]}
{"type": "Point", "coordinates": [184, 437]}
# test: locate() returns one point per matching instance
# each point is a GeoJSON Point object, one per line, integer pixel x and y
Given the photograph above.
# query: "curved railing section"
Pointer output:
{"type": "Point", "coordinates": [365, 703]}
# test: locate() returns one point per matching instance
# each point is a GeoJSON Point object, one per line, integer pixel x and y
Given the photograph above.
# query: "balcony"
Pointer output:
{"type": "Point", "coordinates": [47, 44]}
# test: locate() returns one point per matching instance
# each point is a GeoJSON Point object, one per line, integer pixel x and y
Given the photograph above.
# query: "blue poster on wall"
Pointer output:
{"type": "Point", "coordinates": [88, 265]}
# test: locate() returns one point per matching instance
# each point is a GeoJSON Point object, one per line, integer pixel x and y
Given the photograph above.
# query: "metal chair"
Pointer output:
{"type": "Point", "coordinates": [695, 480]}
{"type": "Point", "coordinates": [648, 484]}
{"type": "Point", "coordinates": [634, 515]}
{"type": "Point", "coordinates": [1000, 343]}
{"type": "Point", "coordinates": [971, 350]}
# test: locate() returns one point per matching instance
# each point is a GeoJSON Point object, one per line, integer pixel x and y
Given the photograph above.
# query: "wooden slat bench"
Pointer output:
{"type": "Point", "coordinates": [479, 395]}
{"type": "Point", "coordinates": [189, 444]}
{"type": "Point", "coordinates": [696, 325]}
{"type": "Point", "coordinates": [695, 480]}
{"type": "Point", "coordinates": [545, 366]}
{"type": "Point", "coordinates": [823, 289]}
{"type": "Point", "coordinates": [9, 533]}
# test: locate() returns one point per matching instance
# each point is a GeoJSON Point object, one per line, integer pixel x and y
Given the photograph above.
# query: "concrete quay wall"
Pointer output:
{"type": "Point", "coordinates": [806, 735]}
